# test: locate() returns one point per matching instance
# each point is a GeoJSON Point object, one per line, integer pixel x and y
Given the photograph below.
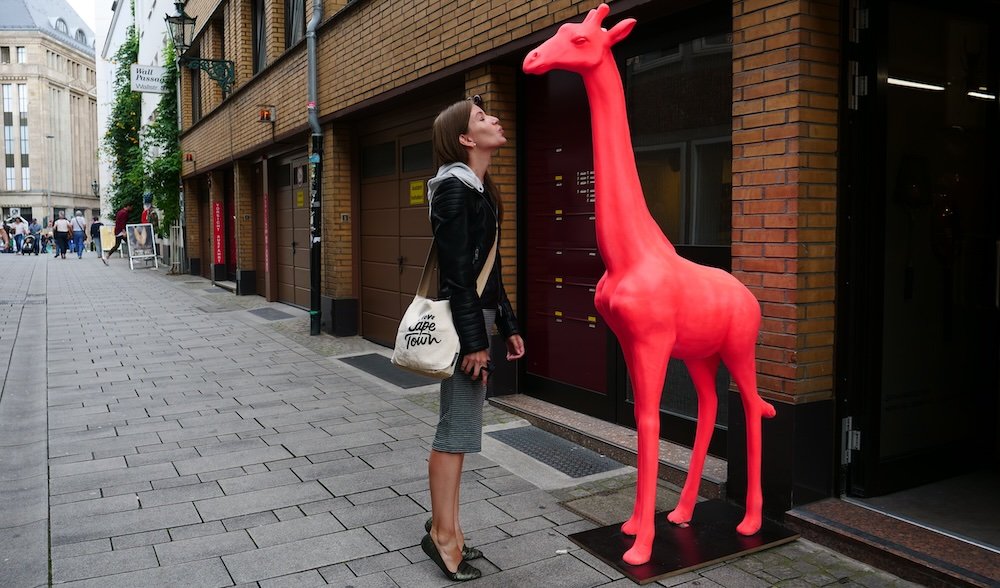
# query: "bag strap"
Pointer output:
{"type": "Point", "coordinates": [484, 275]}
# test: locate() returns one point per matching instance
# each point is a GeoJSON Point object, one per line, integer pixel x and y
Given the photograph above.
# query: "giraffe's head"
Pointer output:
{"type": "Point", "coordinates": [578, 47]}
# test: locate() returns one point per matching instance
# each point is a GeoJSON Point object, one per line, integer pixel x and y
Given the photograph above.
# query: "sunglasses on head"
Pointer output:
{"type": "Point", "coordinates": [477, 100]}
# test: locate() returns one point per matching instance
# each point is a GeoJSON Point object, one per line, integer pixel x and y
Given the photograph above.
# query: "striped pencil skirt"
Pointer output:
{"type": "Point", "coordinates": [460, 423]}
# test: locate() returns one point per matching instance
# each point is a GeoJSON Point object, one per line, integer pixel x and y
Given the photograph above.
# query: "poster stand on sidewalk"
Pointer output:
{"type": "Point", "coordinates": [710, 537]}
{"type": "Point", "coordinates": [141, 245]}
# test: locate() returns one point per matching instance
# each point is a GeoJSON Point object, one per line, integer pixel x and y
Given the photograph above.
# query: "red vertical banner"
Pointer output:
{"type": "Point", "coordinates": [267, 234]}
{"type": "Point", "coordinates": [218, 234]}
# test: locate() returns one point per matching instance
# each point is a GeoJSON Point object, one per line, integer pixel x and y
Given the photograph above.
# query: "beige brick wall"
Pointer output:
{"type": "Point", "coordinates": [785, 117]}
{"type": "Point", "coordinates": [497, 86]}
{"type": "Point", "coordinates": [338, 237]}
{"type": "Point", "coordinates": [247, 225]}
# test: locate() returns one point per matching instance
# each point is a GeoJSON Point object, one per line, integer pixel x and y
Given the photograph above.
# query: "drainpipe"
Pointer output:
{"type": "Point", "coordinates": [315, 169]}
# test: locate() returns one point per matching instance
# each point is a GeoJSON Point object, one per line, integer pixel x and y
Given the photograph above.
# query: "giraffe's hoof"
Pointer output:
{"type": "Point", "coordinates": [749, 526]}
{"type": "Point", "coordinates": [639, 554]}
{"type": "Point", "coordinates": [630, 527]}
{"type": "Point", "coordinates": [679, 516]}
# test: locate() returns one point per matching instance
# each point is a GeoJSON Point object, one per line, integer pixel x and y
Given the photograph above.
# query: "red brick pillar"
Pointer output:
{"type": "Point", "coordinates": [192, 226]}
{"type": "Point", "coordinates": [786, 61]}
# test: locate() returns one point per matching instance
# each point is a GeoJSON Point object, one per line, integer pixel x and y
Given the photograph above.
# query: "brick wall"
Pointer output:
{"type": "Point", "coordinates": [192, 219]}
{"type": "Point", "coordinates": [496, 84]}
{"type": "Point", "coordinates": [338, 237]}
{"type": "Point", "coordinates": [248, 227]}
{"type": "Point", "coordinates": [373, 47]}
{"type": "Point", "coordinates": [785, 108]}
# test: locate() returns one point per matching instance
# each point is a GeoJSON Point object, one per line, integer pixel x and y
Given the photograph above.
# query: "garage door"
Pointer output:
{"type": "Point", "coordinates": [395, 231]}
{"type": "Point", "coordinates": [292, 231]}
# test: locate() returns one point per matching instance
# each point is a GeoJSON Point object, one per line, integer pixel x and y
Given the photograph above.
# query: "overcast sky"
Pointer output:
{"type": "Point", "coordinates": [88, 12]}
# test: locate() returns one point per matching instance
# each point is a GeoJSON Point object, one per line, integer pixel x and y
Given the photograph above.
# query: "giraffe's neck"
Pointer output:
{"type": "Point", "coordinates": [626, 231]}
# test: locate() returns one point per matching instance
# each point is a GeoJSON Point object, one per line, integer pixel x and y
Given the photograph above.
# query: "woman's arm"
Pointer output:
{"type": "Point", "coordinates": [450, 223]}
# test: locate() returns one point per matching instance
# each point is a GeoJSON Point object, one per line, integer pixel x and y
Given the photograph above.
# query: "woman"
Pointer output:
{"type": "Point", "coordinates": [62, 229]}
{"type": "Point", "coordinates": [465, 211]}
{"type": "Point", "coordinates": [79, 226]}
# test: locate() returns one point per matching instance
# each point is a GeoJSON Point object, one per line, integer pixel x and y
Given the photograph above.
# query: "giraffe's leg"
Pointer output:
{"type": "Point", "coordinates": [744, 372]}
{"type": "Point", "coordinates": [703, 375]}
{"type": "Point", "coordinates": [647, 365]}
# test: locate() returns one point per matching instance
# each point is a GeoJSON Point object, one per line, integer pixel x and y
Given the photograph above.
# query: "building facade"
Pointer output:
{"type": "Point", "coordinates": [48, 81]}
{"type": "Point", "coordinates": [856, 205]}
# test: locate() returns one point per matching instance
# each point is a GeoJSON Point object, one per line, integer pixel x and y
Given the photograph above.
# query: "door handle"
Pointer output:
{"type": "Point", "coordinates": [400, 259]}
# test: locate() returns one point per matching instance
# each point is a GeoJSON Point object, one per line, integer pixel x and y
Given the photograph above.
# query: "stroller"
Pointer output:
{"type": "Point", "coordinates": [30, 245]}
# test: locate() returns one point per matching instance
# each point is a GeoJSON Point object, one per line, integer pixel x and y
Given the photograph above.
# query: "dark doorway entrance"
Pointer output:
{"type": "Point", "coordinates": [918, 344]}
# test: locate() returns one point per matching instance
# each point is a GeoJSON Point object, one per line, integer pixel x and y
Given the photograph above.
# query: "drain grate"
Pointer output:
{"type": "Point", "coordinates": [271, 314]}
{"type": "Point", "coordinates": [556, 452]}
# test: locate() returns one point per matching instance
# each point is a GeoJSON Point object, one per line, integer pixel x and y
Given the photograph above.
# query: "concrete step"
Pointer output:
{"type": "Point", "coordinates": [905, 549]}
{"type": "Point", "coordinates": [614, 441]}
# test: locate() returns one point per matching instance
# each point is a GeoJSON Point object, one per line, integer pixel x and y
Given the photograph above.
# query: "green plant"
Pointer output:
{"type": "Point", "coordinates": [121, 141]}
{"type": "Point", "coordinates": [160, 137]}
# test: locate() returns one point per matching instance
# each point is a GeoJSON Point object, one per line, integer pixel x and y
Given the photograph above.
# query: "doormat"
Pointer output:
{"type": "Point", "coordinates": [556, 452]}
{"type": "Point", "coordinates": [379, 366]}
{"type": "Point", "coordinates": [710, 537]}
{"type": "Point", "coordinates": [271, 314]}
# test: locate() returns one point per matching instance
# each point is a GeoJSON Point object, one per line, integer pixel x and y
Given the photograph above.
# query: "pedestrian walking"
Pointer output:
{"type": "Point", "coordinates": [121, 219]}
{"type": "Point", "coordinates": [79, 225]}
{"type": "Point", "coordinates": [62, 230]}
{"type": "Point", "coordinates": [95, 235]}
{"type": "Point", "coordinates": [35, 230]}
{"type": "Point", "coordinates": [465, 213]}
{"type": "Point", "coordinates": [20, 232]}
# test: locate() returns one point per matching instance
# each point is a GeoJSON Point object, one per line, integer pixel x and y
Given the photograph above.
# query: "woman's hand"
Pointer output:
{"type": "Point", "coordinates": [474, 364]}
{"type": "Point", "coordinates": [515, 347]}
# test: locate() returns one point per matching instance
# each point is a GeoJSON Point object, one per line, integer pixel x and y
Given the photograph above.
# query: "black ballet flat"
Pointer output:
{"type": "Point", "coordinates": [467, 552]}
{"type": "Point", "coordinates": [465, 571]}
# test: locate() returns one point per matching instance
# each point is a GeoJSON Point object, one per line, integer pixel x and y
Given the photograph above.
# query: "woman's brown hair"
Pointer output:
{"type": "Point", "coordinates": [452, 122]}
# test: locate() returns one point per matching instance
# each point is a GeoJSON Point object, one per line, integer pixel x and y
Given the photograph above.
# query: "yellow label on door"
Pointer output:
{"type": "Point", "coordinates": [416, 192]}
{"type": "Point", "coordinates": [300, 199]}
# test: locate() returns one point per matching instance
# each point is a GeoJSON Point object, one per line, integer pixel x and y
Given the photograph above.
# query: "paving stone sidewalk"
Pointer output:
{"type": "Point", "coordinates": [155, 432]}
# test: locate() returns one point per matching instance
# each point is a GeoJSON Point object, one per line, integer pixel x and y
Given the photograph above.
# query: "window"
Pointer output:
{"type": "Point", "coordinates": [61, 26]}
{"type": "Point", "coordinates": [25, 178]}
{"type": "Point", "coordinates": [682, 139]}
{"type": "Point", "coordinates": [195, 95]}
{"type": "Point", "coordinates": [81, 36]}
{"type": "Point", "coordinates": [10, 178]}
{"type": "Point", "coordinates": [378, 160]}
{"type": "Point", "coordinates": [259, 48]}
{"type": "Point", "coordinates": [4, 54]}
{"type": "Point", "coordinates": [22, 55]}
{"type": "Point", "coordinates": [295, 21]}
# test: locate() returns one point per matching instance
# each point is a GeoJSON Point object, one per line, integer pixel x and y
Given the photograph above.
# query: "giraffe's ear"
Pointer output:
{"type": "Point", "coordinates": [621, 30]}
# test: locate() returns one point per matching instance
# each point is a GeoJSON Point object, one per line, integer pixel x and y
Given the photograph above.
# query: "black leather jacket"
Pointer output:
{"type": "Point", "coordinates": [464, 225]}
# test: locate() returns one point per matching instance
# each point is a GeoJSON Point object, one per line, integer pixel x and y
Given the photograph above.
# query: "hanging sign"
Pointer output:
{"type": "Point", "coordinates": [148, 78]}
{"type": "Point", "coordinates": [218, 237]}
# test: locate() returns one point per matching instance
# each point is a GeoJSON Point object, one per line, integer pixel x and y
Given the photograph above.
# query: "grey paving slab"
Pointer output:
{"type": "Point", "coordinates": [372, 479]}
{"type": "Point", "coordinates": [23, 501]}
{"type": "Point", "coordinates": [140, 539]}
{"type": "Point", "coordinates": [377, 512]}
{"type": "Point", "coordinates": [207, 573]}
{"type": "Point", "coordinates": [81, 548]}
{"type": "Point", "coordinates": [324, 469]}
{"type": "Point", "coordinates": [293, 530]}
{"type": "Point", "coordinates": [261, 481]}
{"type": "Point", "coordinates": [24, 550]}
{"type": "Point", "coordinates": [204, 547]}
{"type": "Point", "coordinates": [260, 500]}
{"type": "Point", "coordinates": [88, 466]}
{"type": "Point", "coordinates": [122, 523]}
{"type": "Point", "coordinates": [116, 477]}
{"type": "Point", "coordinates": [94, 506]}
{"type": "Point", "coordinates": [101, 564]}
{"type": "Point", "coordinates": [230, 459]}
{"type": "Point", "coordinates": [307, 579]}
{"type": "Point", "coordinates": [177, 494]}
{"type": "Point", "coordinates": [298, 556]}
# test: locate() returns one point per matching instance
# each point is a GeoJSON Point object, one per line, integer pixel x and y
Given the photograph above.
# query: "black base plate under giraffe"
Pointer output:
{"type": "Point", "coordinates": [710, 537]}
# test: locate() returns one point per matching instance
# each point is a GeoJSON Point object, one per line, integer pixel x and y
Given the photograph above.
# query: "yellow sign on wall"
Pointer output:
{"type": "Point", "coordinates": [300, 199]}
{"type": "Point", "coordinates": [416, 192]}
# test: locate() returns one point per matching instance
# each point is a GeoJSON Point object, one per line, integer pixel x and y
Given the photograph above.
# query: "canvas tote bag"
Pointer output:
{"type": "Point", "coordinates": [426, 341]}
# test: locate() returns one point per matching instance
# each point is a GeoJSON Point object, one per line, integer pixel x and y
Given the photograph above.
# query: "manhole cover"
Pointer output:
{"type": "Point", "coordinates": [271, 314]}
{"type": "Point", "coordinates": [556, 452]}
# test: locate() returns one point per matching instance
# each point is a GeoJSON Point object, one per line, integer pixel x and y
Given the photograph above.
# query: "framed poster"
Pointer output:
{"type": "Point", "coordinates": [107, 237]}
{"type": "Point", "coordinates": [141, 243]}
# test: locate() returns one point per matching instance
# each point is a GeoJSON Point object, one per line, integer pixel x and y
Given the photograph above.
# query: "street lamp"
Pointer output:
{"type": "Point", "coordinates": [48, 197]}
{"type": "Point", "coordinates": [181, 28]}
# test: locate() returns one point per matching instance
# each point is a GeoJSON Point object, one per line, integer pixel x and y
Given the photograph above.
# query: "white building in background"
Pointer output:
{"type": "Point", "coordinates": [48, 98]}
{"type": "Point", "coordinates": [152, 31]}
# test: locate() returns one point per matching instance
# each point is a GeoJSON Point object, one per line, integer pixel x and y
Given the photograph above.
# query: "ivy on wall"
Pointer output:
{"type": "Point", "coordinates": [121, 141]}
{"type": "Point", "coordinates": [153, 163]}
{"type": "Point", "coordinates": [160, 138]}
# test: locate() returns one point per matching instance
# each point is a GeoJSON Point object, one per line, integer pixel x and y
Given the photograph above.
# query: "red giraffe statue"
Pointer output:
{"type": "Point", "coordinates": [657, 303]}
